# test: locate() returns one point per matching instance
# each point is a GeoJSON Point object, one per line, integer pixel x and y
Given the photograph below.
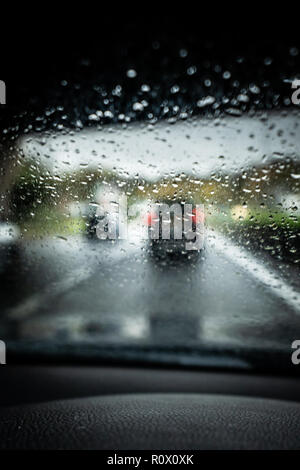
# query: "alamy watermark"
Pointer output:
{"type": "Point", "coordinates": [296, 93]}
{"type": "Point", "coordinates": [2, 353]}
{"type": "Point", "coordinates": [296, 353]}
{"type": "Point", "coordinates": [161, 222]}
{"type": "Point", "coordinates": [2, 92]}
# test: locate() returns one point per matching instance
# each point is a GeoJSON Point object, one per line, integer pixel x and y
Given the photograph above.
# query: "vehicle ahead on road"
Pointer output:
{"type": "Point", "coordinates": [175, 228]}
{"type": "Point", "coordinates": [103, 215]}
{"type": "Point", "coordinates": [109, 222]}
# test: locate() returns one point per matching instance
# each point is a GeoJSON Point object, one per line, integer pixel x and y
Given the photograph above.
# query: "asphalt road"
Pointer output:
{"type": "Point", "coordinates": [119, 293]}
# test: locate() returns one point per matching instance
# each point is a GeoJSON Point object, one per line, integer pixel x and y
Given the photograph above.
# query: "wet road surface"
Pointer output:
{"type": "Point", "coordinates": [81, 289]}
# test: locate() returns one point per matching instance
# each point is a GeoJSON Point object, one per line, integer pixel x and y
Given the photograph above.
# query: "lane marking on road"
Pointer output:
{"type": "Point", "coordinates": [248, 263]}
{"type": "Point", "coordinates": [32, 303]}
{"type": "Point", "coordinates": [215, 241]}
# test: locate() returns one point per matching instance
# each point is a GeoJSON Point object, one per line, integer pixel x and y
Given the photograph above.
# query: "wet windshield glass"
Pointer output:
{"type": "Point", "coordinates": [156, 213]}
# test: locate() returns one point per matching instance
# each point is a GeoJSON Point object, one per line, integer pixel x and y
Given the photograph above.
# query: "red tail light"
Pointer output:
{"type": "Point", "coordinates": [198, 216]}
{"type": "Point", "coordinates": [150, 219]}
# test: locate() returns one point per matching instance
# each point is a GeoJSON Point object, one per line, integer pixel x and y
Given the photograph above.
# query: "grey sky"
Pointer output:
{"type": "Point", "coordinates": [194, 147]}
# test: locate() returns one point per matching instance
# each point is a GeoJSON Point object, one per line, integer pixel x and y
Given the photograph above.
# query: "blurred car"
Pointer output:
{"type": "Point", "coordinates": [103, 218]}
{"type": "Point", "coordinates": [175, 229]}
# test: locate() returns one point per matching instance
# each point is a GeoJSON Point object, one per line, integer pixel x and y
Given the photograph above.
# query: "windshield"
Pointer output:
{"type": "Point", "coordinates": [151, 212]}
